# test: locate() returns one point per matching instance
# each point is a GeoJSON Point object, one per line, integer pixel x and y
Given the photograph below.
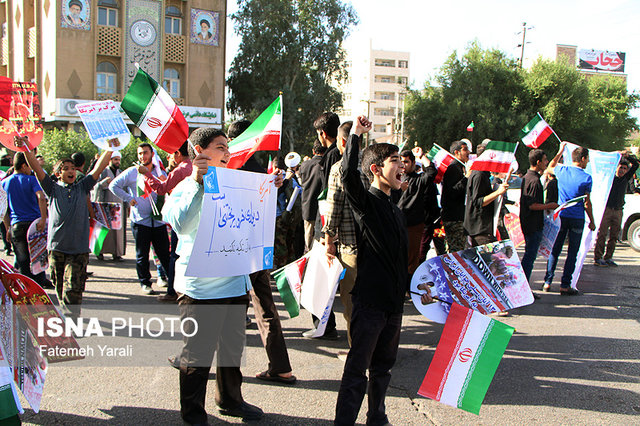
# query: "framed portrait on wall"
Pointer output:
{"type": "Point", "coordinates": [76, 14]}
{"type": "Point", "coordinates": [205, 27]}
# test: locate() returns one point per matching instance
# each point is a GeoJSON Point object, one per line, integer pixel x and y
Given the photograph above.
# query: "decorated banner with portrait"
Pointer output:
{"type": "Point", "coordinates": [205, 26]}
{"type": "Point", "coordinates": [76, 14]}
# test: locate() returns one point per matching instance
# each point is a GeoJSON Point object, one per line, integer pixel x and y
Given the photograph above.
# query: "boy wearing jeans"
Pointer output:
{"type": "Point", "coordinates": [68, 226]}
{"type": "Point", "coordinates": [381, 279]}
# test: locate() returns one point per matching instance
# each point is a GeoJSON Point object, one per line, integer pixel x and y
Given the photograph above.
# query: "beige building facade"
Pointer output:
{"type": "Point", "coordinates": [83, 50]}
{"type": "Point", "coordinates": [375, 87]}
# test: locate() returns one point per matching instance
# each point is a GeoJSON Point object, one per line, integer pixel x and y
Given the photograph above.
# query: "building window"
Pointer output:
{"type": "Point", "coordinates": [173, 21]}
{"type": "Point", "coordinates": [108, 13]}
{"type": "Point", "coordinates": [106, 78]}
{"type": "Point", "coordinates": [403, 80]}
{"type": "Point", "coordinates": [385, 96]}
{"type": "Point", "coordinates": [403, 64]}
{"type": "Point", "coordinates": [383, 79]}
{"type": "Point", "coordinates": [171, 82]}
{"type": "Point", "coordinates": [379, 128]}
{"type": "Point", "coordinates": [385, 63]}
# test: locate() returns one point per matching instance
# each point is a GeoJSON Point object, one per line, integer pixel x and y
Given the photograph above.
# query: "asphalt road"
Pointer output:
{"type": "Point", "coordinates": [572, 360]}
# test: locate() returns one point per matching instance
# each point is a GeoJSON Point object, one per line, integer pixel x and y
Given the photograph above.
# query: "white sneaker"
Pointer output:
{"type": "Point", "coordinates": [162, 283]}
{"type": "Point", "coordinates": [146, 289]}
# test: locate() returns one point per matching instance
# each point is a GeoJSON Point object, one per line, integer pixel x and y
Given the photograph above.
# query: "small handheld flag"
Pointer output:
{"type": "Point", "coordinates": [497, 157]}
{"type": "Point", "coordinates": [155, 113]}
{"type": "Point", "coordinates": [262, 135]}
{"type": "Point", "coordinates": [470, 127]}
{"type": "Point", "coordinates": [535, 132]}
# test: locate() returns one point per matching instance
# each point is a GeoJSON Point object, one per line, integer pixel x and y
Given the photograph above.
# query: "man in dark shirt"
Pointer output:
{"type": "Point", "coordinates": [326, 126]}
{"type": "Point", "coordinates": [412, 203]}
{"type": "Point", "coordinates": [612, 217]}
{"type": "Point", "coordinates": [381, 281]}
{"type": "Point", "coordinates": [532, 208]}
{"type": "Point", "coordinates": [311, 179]}
{"type": "Point", "coordinates": [454, 189]}
{"type": "Point", "coordinates": [479, 208]}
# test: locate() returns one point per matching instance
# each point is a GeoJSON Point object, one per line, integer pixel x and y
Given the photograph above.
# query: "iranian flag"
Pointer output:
{"type": "Point", "coordinates": [97, 234]}
{"type": "Point", "coordinates": [153, 110]}
{"type": "Point", "coordinates": [535, 132]}
{"type": "Point", "coordinates": [497, 157]}
{"type": "Point", "coordinates": [289, 283]}
{"type": "Point", "coordinates": [441, 159]}
{"type": "Point", "coordinates": [262, 135]}
{"type": "Point", "coordinates": [470, 127]}
{"type": "Point", "coordinates": [569, 203]}
{"type": "Point", "coordinates": [466, 359]}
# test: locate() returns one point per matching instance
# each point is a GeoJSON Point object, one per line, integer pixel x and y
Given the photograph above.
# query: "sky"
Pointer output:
{"type": "Point", "coordinates": [431, 30]}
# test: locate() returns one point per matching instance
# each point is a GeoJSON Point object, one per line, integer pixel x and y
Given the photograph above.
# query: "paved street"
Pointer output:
{"type": "Point", "coordinates": [573, 360]}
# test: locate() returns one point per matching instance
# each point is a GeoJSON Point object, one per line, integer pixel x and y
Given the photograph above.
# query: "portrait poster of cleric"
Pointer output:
{"type": "Point", "coordinates": [76, 14]}
{"type": "Point", "coordinates": [204, 27]}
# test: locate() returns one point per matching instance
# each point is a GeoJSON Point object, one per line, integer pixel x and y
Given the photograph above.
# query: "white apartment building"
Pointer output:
{"type": "Point", "coordinates": [375, 88]}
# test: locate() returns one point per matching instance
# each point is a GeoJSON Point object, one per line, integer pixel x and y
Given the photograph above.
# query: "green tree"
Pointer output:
{"type": "Point", "coordinates": [483, 86]}
{"type": "Point", "coordinates": [293, 47]}
{"type": "Point", "coordinates": [58, 144]}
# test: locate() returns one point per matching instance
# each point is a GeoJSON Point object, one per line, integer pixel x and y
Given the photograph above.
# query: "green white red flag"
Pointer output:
{"type": "Point", "coordinates": [569, 203]}
{"type": "Point", "coordinates": [289, 284]}
{"type": "Point", "coordinates": [466, 359]}
{"type": "Point", "coordinates": [441, 159]}
{"type": "Point", "coordinates": [497, 157]}
{"type": "Point", "coordinates": [153, 110]}
{"type": "Point", "coordinates": [97, 235]}
{"type": "Point", "coordinates": [535, 132]}
{"type": "Point", "coordinates": [470, 127]}
{"type": "Point", "coordinates": [262, 135]}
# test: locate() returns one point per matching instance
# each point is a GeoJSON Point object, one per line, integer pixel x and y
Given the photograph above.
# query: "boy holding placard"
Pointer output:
{"type": "Point", "coordinates": [217, 305]}
{"type": "Point", "coordinates": [68, 225]}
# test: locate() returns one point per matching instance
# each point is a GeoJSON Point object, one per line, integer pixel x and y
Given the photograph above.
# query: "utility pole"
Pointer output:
{"type": "Point", "coordinates": [524, 38]}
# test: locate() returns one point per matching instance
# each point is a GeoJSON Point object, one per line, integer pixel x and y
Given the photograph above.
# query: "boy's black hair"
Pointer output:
{"type": "Point", "coordinates": [57, 168]}
{"type": "Point", "coordinates": [536, 155]}
{"type": "Point", "coordinates": [318, 148]}
{"type": "Point", "coordinates": [19, 159]}
{"type": "Point", "coordinates": [456, 146]}
{"type": "Point", "coordinates": [237, 128]}
{"type": "Point", "coordinates": [345, 129]}
{"type": "Point", "coordinates": [624, 162]}
{"type": "Point", "coordinates": [146, 145]}
{"type": "Point", "coordinates": [184, 149]}
{"type": "Point", "coordinates": [202, 137]}
{"type": "Point", "coordinates": [78, 159]}
{"type": "Point", "coordinates": [408, 153]}
{"type": "Point", "coordinates": [579, 153]}
{"type": "Point", "coordinates": [376, 154]}
{"type": "Point", "coordinates": [328, 122]}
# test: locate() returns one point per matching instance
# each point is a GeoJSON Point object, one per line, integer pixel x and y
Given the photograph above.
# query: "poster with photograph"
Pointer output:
{"type": "Point", "coordinates": [76, 14]}
{"type": "Point", "coordinates": [486, 278]}
{"type": "Point", "coordinates": [205, 27]}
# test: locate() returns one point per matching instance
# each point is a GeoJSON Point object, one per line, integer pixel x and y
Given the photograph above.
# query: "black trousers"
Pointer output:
{"type": "Point", "coordinates": [221, 329]}
{"type": "Point", "coordinates": [144, 237]}
{"type": "Point", "coordinates": [21, 251]}
{"type": "Point", "coordinates": [375, 336]}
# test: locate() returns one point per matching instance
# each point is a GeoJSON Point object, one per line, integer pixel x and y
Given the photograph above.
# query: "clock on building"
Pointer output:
{"type": "Point", "coordinates": [143, 33]}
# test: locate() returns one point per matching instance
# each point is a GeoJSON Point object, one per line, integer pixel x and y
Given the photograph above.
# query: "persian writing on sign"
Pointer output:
{"type": "Point", "coordinates": [237, 224]}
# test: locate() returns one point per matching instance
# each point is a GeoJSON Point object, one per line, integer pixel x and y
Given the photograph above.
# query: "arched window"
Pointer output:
{"type": "Point", "coordinates": [106, 78]}
{"type": "Point", "coordinates": [171, 82]}
{"type": "Point", "coordinates": [173, 20]}
{"type": "Point", "coordinates": [108, 13]}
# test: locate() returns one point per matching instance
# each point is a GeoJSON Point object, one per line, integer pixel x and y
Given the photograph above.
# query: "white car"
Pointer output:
{"type": "Point", "coordinates": [631, 221]}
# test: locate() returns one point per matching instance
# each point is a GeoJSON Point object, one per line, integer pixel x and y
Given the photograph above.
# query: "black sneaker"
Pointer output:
{"type": "Point", "coordinates": [244, 410]}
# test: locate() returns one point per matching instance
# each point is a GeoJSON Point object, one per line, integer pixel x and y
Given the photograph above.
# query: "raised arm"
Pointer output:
{"type": "Point", "coordinates": [102, 164]}
{"type": "Point", "coordinates": [30, 157]}
{"type": "Point", "coordinates": [554, 162]}
{"type": "Point", "coordinates": [353, 187]}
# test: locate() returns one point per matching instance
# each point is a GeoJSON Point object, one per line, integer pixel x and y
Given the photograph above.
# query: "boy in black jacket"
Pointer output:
{"type": "Point", "coordinates": [381, 281]}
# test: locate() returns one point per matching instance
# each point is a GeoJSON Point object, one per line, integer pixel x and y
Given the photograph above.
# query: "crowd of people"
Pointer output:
{"type": "Point", "coordinates": [377, 210]}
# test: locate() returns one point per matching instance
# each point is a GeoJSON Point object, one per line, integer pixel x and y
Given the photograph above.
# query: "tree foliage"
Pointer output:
{"type": "Point", "coordinates": [58, 144]}
{"type": "Point", "coordinates": [486, 87]}
{"type": "Point", "coordinates": [293, 47]}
